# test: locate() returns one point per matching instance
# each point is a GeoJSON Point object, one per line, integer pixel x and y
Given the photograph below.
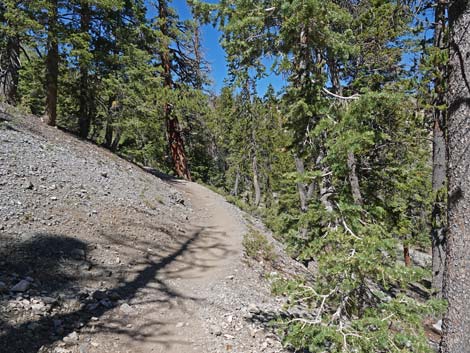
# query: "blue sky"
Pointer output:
{"type": "Point", "coordinates": [215, 54]}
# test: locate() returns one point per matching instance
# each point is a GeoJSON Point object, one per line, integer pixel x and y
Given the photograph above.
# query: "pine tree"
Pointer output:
{"type": "Point", "coordinates": [17, 25]}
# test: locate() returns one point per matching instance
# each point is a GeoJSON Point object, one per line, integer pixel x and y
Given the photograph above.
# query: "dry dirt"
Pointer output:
{"type": "Point", "coordinates": [114, 259]}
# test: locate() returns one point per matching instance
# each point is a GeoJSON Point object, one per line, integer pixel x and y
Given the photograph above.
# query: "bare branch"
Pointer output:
{"type": "Point", "coordinates": [353, 97]}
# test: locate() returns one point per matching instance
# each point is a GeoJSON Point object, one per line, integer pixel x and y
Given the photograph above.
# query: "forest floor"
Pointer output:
{"type": "Point", "coordinates": [100, 255]}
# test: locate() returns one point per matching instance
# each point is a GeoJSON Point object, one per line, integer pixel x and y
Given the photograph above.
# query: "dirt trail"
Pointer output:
{"type": "Point", "coordinates": [210, 253]}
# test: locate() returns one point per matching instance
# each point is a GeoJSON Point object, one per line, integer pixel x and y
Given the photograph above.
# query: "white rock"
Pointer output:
{"type": "Point", "coordinates": [127, 309]}
{"type": "Point", "coordinates": [215, 330]}
{"type": "Point", "coordinates": [71, 338]}
{"type": "Point", "coordinates": [437, 327]}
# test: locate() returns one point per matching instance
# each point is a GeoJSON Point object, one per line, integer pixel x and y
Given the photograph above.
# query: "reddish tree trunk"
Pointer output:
{"type": "Point", "coordinates": [175, 139]}
{"type": "Point", "coordinates": [406, 255]}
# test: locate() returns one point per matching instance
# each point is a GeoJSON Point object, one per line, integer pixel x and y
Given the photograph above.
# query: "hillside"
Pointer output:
{"type": "Point", "coordinates": [100, 255]}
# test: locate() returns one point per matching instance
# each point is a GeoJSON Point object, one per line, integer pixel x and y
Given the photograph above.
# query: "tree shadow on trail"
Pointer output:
{"type": "Point", "coordinates": [44, 259]}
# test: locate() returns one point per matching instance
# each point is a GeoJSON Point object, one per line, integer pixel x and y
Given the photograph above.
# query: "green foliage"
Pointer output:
{"type": "Point", "coordinates": [364, 174]}
{"type": "Point", "coordinates": [258, 247]}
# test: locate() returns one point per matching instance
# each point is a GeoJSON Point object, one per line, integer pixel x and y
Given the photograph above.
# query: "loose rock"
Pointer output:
{"type": "Point", "coordinates": [21, 286]}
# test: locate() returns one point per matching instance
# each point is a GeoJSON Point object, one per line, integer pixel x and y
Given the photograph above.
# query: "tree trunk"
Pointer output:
{"type": "Point", "coordinates": [198, 57]}
{"type": "Point", "coordinates": [117, 137]}
{"type": "Point", "coordinates": [52, 65]}
{"type": "Point", "coordinates": [439, 161]}
{"type": "Point", "coordinates": [175, 140]}
{"type": "Point", "coordinates": [354, 180]}
{"type": "Point", "coordinates": [406, 255]}
{"type": "Point", "coordinates": [326, 189]}
{"type": "Point", "coordinates": [456, 322]}
{"type": "Point", "coordinates": [84, 114]}
{"type": "Point", "coordinates": [236, 184]}
{"type": "Point", "coordinates": [303, 193]}
{"type": "Point", "coordinates": [9, 71]}
{"type": "Point", "coordinates": [256, 185]}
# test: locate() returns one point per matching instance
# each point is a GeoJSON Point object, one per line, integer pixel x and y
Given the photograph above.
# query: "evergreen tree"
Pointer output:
{"type": "Point", "coordinates": [18, 22]}
{"type": "Point", "coordinates": [359, 148]}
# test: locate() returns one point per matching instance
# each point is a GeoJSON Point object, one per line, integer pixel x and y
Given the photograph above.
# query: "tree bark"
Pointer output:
{"type": "Point", "coordinates": [354, 180]}
{"type": "Point", "coordinates": [9, 71]}
{"type": "Point", "coordinates": [456, 322]}
{"type": "Point", "coordinates": [52, 65]}
{"type": "Point", "coordinates": [325, 187]}
{"type": "Point", "coordinates": [175, 139]}
{"type": "Point", "coordinates": [198, 84]}
{"type": "Point", "coordinates": [236, 184]}
{"type": "Point", "coordinates": [406, 255]}
{"type": "Point", "coordinates": [84, 114]}
{"type": "Point", "coordinates": [301, 187]}
{"type": "Point", "coordinates": [439, 160]}
{"type": "Point", "coordinates": [256, 185]}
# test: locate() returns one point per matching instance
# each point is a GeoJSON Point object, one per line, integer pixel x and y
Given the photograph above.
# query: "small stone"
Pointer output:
{"type": "Point", "coordinates": [215, 330]}
{"type": "Point", "coordinates": [61, 350]}
{"type": "Point", "coordinates": [38, 307]}
{"type": "Point", "coordinates": [127, 309]}
{"type": "Point", "coordinates": [230, 277]}
{"type": "Point", "coordinates": [78, 253]}
{"type": "Point", "coordinates": [53, 198]}
{"type": "Point", "coordinates": [229, 337]}
{"type": "Point", "coordinates": [71, 338]}
{"type": "Point", "coordinates": [252, 308]}
{"type": "Point", "coordinates": [179, 324]}
{"type": "Point", "coordinates": [86, 266]}
{"type": "Point", "coordinates": [21, 286]}
{"type": "Point", "coordinates": [437, 327]}
{"type": "Point", "coordinates": [92, 306]}
{"type": "Point", "coordinates": [106, 303]}
{"type": "Point", "coordinates": [254, 332]}
{"type": "Point", "coordinates": [28, 185]}
{"type": "Point", "coordinates": [49, 300]}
